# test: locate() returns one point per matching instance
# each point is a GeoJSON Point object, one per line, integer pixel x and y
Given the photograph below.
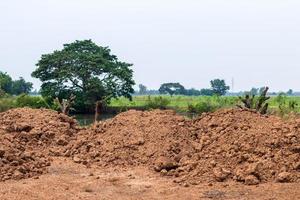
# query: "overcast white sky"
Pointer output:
{"type": "Point", "coordinates": [256, 42]}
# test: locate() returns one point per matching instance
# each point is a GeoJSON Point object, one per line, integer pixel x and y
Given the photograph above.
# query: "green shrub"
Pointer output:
{"type": "Point", "coordinates": [201, 107]}
{"type": "Point", "coordinates": [157, 103]}
{"type": "Point", "coordinates": [6, 103]}
{"type": "Point", "coordinates": [25, 100]}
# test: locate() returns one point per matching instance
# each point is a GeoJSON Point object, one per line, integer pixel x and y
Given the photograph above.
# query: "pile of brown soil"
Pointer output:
{"type": "Point", "coordinates": [244, 146]}
{"type": "Point", "coordinates": [28, 137]}
{"type": "Point", "coordinates": [134, 138]}
{"type": "Point", "coordinates": [226, 145]}
{"type": "Point", "coordinates": [16, 162]}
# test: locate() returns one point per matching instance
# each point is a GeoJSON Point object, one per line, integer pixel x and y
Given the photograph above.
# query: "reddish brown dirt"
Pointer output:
{"type": "Point", "coordinates": [226, 145]}
{"type": "Point", "coordinates": [215, 155]}
{"type": "Point", "coordinates": [67, 180]}
{"type": "Point", "coordinates": [244, 146]}
{"type": "Point", "coordinates": [28, 137]}
{"type": "Point", "coordinates": [133, 138]}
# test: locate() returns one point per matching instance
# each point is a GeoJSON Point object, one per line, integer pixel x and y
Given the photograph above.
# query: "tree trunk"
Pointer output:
{"type": "Point", "coordinates": [97, 110]}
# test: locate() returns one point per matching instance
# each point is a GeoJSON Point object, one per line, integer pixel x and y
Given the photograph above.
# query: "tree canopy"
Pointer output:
{"type": "Point", "coordinates": [171, 88]}
{"type": "Point", "coordinates": [5, 83]}
{"type": "Point", "coordinates": [14, 87]}
{"type": "Point", "coordinates": [142, 89]}
{"type": "Point", "coordinates": [219, 87]}
{"type": "Point", "coordinates": [20, 86]}
{"type": "Point", "coordinates": [86, 70]}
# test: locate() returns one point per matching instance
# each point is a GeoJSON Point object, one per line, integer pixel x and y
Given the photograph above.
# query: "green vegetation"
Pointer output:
{"type": "Point", "coordinates": [199, 104]}
{"type": "Point", "coordinates": [85, 70]}
{"type": "Point", "coordinates": [179, 102]}
{"type": "Point", "coordinates": [31, 101]}
{"type": "Point", "coordinates": [13, 87]}
{"type": "Point", "coordinates": [171, 89]}
{"type": "Point", "coordinates": [23, 100]}
{"type": "Point", "coordinates": [281, 104]}
{"type": "Point", "coordinates": [157, 102]}
{"type": "Point", "coordinates": [218, 87]}
{"type": "Point", "coordinates": [84, 77]}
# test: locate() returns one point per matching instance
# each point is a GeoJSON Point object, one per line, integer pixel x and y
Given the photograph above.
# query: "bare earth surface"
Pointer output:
{"type": "Point", "coordinates": [228, 154]}
{"type": "Point", "coordinates": [67, 180]}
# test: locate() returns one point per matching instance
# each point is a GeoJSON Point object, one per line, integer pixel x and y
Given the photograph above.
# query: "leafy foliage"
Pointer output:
{"type": "Point", "coordinates": [5, 83]}
{"type": "Point", "coordinates": [142, 89]}
{"type": "Point", "coordinates": [25, 100]}
{"type": "Point", "coordinates": [86, 70]}
{"type": "Point", "coordinates": [21, 86]}
{"type": "Point", "coordinates": [219, 87]}
{"type": "Point", "coordinates": [171, 88]}
{"type": "Point", "coordinates": [13, 87]}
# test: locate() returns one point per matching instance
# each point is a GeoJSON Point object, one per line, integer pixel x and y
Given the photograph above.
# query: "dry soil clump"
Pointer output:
{"type": "Point", "coordinates": [28, 137]}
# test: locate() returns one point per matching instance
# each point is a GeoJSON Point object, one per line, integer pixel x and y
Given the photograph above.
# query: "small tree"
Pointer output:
{"type": "Point", "coordinates": [219, 87]}
{"type": "Point", "coordinates": [142, 89]}
{"type": "Point", "coordinates": [254, 91]}
{"type": "Point", "coordinates": [290, 92]}
{"type": "Point", "coordinates": [171, 88]}
{"type": "Point", "coordinates": [260, 104]}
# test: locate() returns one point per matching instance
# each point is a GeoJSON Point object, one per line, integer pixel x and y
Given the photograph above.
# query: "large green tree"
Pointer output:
{"type": "Point", "coordinates": [86, 70]}
{"type": "Point", "coordinates": [219, 87]}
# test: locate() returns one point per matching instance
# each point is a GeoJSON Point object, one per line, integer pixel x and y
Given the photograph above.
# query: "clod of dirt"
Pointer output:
{"type": "Point", "coordinates": [251, 180]}
{"type": "Point", "coordinates": [283, 177]}
{"type": "Point", "coordinates": [221, 174]}
{"type": "Point", "coordinates": [163, 163]}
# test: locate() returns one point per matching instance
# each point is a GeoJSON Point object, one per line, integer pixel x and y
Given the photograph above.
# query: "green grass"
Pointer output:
{"type": "Point", "coordinates": [192, 104]}
{"type": "Point", "coordinates": [185, 103]}
{"type": "Point", "coordinates": [180, 103]}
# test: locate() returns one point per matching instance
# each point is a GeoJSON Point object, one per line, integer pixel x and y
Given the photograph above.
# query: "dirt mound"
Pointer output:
{"type": "Point", "coordinates": [28, 137]}
{"type": "Point", "coordinates": [134, 138]}
{"type": "Point", "coordinates": [226, 145]}
{"type": "Point", "coordinates": [244, 146]}
{"type": "Point", "coordinates": [16, 162]}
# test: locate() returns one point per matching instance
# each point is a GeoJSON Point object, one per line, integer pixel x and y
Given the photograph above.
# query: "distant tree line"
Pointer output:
{"type": "Point", "coordinates": [13, 87]}
{"type": "Point", "coordinates": [218, 87]}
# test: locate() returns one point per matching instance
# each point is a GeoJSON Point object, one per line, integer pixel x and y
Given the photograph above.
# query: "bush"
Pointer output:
{"type": "Point", "coordinates": [201, 107]}
{"type": "Point", "coordinates": [25, 100]}
{"type": "Point", "coordinates": [6, 103]}
{"type": "Point", "coordinates": [157, 103]}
